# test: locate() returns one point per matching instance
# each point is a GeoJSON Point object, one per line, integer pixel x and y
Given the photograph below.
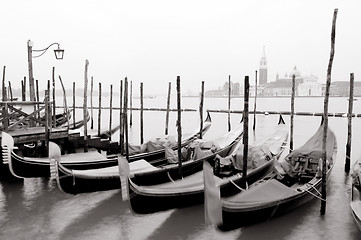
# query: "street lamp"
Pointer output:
{"type": "Point", "coordinates": [59, 54]}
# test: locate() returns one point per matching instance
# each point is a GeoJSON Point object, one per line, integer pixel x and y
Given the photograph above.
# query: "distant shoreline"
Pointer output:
{"type": "Point", "coordinates": [193, 96]}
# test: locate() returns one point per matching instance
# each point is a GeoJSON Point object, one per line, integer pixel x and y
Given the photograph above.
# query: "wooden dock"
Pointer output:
{"type": "Point", "coordinates": [27, 135]}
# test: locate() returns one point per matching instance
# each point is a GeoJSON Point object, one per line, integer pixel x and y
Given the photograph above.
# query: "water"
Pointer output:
{"type": "Point", "coordinates": [36, 209]}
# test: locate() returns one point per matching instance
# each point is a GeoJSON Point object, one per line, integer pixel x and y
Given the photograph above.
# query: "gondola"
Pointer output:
{"type": "Point", "coordinates": [25, 167]}
{"type": "Point", "coordinates": [79, 181]}
{"type": "Point", "coordinates": [355, 203]}
{"type": "Point", "coordinates": [295, 181]}
{"type": "Point", "coordinates": [72, 125]}
{"type": "Point", "coordinates": [227, 166]}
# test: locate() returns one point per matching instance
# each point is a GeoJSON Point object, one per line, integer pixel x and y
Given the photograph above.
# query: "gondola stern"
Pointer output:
{"type": "Point", "coordinates": [7, 145]}
{"type": "Point", "coordinates": [124, 173]}
{"type": "Point", "coordinates": [212, 199]}
{"type": "Point", "coordinates": [54, 160]}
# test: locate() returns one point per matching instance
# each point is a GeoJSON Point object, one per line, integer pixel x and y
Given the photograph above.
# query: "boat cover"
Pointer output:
{"type": "Point", "coordinates": [356, 175]}
{"type": "Point", "coordinates": [257, 156]}
{"type": "Point", "coordinates": [263, 192]}
{"type": "Point", "coordinates": [305, 160]}
{"type": "Point", "coordinates": [196, 150]}
{"type": "Point", "coordinates": [91, 156]}
{"type": "Point", "coordinates": [356, 208]}
{"type": "Point", "coordinates": [153, 145]}
{"type": "Point", "coordinates": [141, 166]}
{"type": "Point", "coordinates": [135, 167]}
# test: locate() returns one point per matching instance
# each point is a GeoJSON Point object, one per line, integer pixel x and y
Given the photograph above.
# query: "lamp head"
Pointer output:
{"type": "Point", "coordinates": [59, 53]}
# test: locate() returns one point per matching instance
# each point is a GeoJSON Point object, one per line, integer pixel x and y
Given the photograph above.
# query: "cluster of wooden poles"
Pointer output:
{"type": "Point", "coordinates": [124, 111]}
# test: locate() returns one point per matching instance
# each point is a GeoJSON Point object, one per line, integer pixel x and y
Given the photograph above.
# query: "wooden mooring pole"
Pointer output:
{"type": "Point", "coordinates": [5, 110]}
{"type": "Point", "coordinates": [255, 103]}
{"type": "Point", "coordinates": [229, 103]}
{"type": "Point", "coordinates": [85, 106]}
{"type": "Point", "coordinates": [131, 104]}
{"type": "Point", "coordinates": [47, 118]}
{"type": "Point", "coordinates": [201, 111]}
{"type": "Point", "coordinates": [3, 86]}
{"type": "Point", "coordinates": [64, 99]}
{"type": "Point", "coordinates": [168, 106]}
{"type": "Point", "coordinates": [37, 96]}
{"type": "Point", "coordinates": [91, 103]}
{"type": "Point", "coordinates": [141, 114]}
{"type": "Point", "coordinates": [10, 92]}
{"type": "Point", "coordinates": [23, 90]}
{"type": "Point", "coordinates": [99, 108]}
{"type": "Point", "coordinates": [110, 111]}
{"type": "Point", "coordinates": [73, 103]}
{"type": "Point", "coordinates": [125, 118]}
{"type": "Point", "coordinates": [245, 127]}
{"type": "Point", "coordinates": [349, 125]}
{"type": "Point", "coordinates": [53, 92]}
{"type": "Point", "coordinates": [179, 127]}
{"type": "Point", "coordinates": [47, 134]}
{"type": "Point", "coordinates": [292, 111]}
{"type": "Point", "coordinates": [121, 110]}
{"type": "Point", "coordinates": [325, 126]}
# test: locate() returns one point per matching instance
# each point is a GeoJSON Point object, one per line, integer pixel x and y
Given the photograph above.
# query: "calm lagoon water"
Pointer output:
{"type": "Point", "coordinates": [36, 209]}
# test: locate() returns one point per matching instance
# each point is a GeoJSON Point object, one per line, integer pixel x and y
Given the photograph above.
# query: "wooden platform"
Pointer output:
{"type": "Point", "coordinates": [28, 135]}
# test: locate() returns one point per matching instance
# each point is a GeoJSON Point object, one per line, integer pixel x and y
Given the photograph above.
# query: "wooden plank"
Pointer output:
{"type": "Point", "coordinates": [27, 135]}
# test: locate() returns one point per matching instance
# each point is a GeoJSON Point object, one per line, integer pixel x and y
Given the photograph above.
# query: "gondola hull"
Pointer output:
{"type": "Point", "coordinates": [72, 183]}
{"type": "Point", "coordinates": [235, 218]}
{"type": "Point", "coordinates": [75, 185]}
{"type": "Point", "coordinates": [355, 205]}
{"type": "Point", "coordinates": [108, 178]}
{"type": "Point", "coordinates": [28, 168]}
{"type": "Point", "coordinates": [142, 203]}
{"type": "Point", "coordinates": [190, 190]}
{"type": "Point", "coordinates": [275, 196]}
{"type": "Point", "coordinates": [23, 167]}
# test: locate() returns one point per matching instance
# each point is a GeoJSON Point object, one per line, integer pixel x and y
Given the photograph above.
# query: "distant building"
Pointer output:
{"type": "Point", "coordinates": [342, 89]}
{"type": "Point", "coordinates": [310, 87]}
{"type": "Point", "coordinates": [223, 91]}
{"type": "Point", "coordinates": [263, 69]}
{"type": "Point", "coordinates": [304, 85]}
{"type": "Point", "coordinates": [281, 87]}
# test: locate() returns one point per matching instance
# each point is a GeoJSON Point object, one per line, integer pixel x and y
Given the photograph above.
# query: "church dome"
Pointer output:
{"type": "Point", "coordinates": [295, 72]}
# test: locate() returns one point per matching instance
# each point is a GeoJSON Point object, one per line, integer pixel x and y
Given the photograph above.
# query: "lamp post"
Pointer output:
{"type": "Point", "coordinates": [59, 54]}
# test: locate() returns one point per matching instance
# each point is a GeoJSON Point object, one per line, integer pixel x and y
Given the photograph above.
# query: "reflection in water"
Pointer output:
{"type": "Point", "coordinates": [3, 212]}
{"type": "Point", "coordinates": [188, 223]}
{"type": "Point", "coordinates": [68, 211]}
{"type": "Point", "coordinates": [143, 226]}
{"type": "Point", "coordinates": [33, 188]}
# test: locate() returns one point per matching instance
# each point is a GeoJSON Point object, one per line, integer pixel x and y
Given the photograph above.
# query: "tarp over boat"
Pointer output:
{"type": "Point", "coordinates": [264, 192]}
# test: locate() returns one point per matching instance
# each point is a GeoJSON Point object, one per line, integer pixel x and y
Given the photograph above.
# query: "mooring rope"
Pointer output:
{"type": "Point", "coordinates": [170, 178]}
{"type": "Point", "coordinates": [73, 177]}
{"type": "Point", "coordinates": [313, 186]}
{"type": "Point", "coordinates": [241, 189]}
{"type": "Point", "coordinates": [320, 198]}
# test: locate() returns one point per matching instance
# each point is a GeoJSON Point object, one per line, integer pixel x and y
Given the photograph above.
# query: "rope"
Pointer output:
{"type": "Point", "coordinates": [315, 195]}
{"type": "Point", "coordinates": [73, 177]}
{"type": "Point", "coordinates": [170, 178]}
{"type": "Point", "coordinates": [241, 189]}
{"type": "Point", "coordinates": [313, 186]}
{"type": "Point", "coordinates": [286, 147]}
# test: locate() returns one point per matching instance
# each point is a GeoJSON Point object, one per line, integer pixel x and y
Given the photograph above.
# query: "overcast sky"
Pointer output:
{"type": "Point", "coordinates": [156, 41]}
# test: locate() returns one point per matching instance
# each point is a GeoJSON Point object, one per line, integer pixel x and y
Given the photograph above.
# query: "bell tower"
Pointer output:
{"type": "Point", "coordinates": [263, 69]}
